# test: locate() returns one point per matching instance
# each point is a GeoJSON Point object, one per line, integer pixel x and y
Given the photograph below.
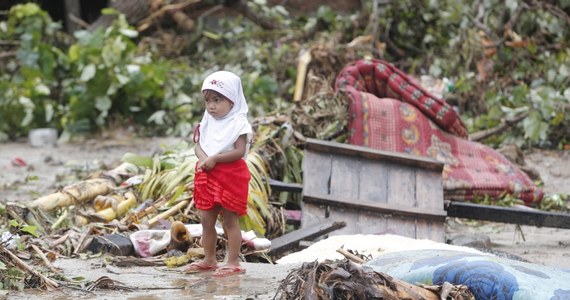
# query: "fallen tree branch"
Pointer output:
{"type": "Point", "coordinates": [483, 134]}
{"type": "Point", "coordinates": [8, 54]}
{"type": "Point", "coordinates": [20, 264]}
{"type": "Point", "coordinates": [78, 21]}
{"type": "Point", "coordinates": [146, 22]}
{"type": "Point", "coordinates": [241, 7]}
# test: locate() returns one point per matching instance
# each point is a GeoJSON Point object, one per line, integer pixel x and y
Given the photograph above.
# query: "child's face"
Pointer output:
{"type": "Point", "coordinates": [217, 105]}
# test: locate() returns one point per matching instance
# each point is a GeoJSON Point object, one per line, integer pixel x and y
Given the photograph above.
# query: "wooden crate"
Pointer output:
{"type": "Point", "coordinates": [374, 192]}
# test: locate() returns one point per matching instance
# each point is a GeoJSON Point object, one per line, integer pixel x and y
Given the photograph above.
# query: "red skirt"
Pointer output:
{"type": "Point", "coordinates": [227, 184]}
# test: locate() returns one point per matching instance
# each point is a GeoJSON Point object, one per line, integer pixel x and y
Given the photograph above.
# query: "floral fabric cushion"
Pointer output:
{"type": "Point", "coordinates": [389, 119]}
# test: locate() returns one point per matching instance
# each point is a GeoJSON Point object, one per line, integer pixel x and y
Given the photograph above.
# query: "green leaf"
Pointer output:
{"type": "Point", "coordinates": [157, 117]}
{"type": "Point", "coordinates": [129, 32]}
{"type": "Point", "coordinates": [103, 104]}
{"type": "Point", "coordinates": [74, 53]}
{"type": "Point", "coordinates": [108, 11]}
{"type": "Point", "coordinates": [558, 118]}
{"type": "Point", "coordinates": [88, 73]}
{"type": "Point", "coordinates": [535, 128]}
{"type": "Point", "coordinates": [138, 160]}
{"type": "Point", "coordinates": [30, 229]}
{"type": "Point", "coordinates": [31, 178]}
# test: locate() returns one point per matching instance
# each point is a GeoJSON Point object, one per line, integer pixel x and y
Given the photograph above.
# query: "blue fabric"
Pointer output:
{"type": "Point", "coordinates": [488, 277]}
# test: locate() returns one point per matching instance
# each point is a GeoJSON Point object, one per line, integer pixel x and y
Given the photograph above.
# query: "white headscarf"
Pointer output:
{"type": "Point", "coordinates": [217, 136]}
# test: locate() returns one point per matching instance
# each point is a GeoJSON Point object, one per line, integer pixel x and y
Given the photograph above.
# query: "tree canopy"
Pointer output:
{"type": "Point", "coordinates": [497, 60]}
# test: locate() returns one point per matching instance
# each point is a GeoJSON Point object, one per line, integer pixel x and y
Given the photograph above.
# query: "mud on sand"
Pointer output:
{"type": "Point", "coordinates": [27, 173]}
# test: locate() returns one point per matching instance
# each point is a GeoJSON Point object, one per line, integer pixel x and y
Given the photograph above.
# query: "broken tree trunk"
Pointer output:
{"type": "Point", "coordinates": [74, 194]}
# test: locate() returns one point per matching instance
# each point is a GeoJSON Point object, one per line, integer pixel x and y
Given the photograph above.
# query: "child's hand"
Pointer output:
{"type": "Point", "coordinates": [207, 164]}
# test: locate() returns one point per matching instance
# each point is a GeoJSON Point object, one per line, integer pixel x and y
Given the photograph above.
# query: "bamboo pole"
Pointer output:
{"type": "Point", "coordinates": [304, 60]}
{"type": "Point", "coordinates": [173, 210]}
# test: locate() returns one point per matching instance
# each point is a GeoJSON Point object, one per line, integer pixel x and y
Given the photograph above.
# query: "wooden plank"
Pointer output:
{"type": "Point", "coordinates": [372, 223]}
{"type": "Point", "coordinates": [374, 184]}
{"type": "Point", "coordinates": [316, 177]}
{"type": "Point", "coordinates": [280, 186]}
{"type": "Point", "coordinates": [349, 216]}
{"type": "Point", "coordinates": [290, 241]}
{"type": "Point", "coordinates": [401, 194]}
{"type": "Point", "coordinates": [373, 154]}
{"type": "Point", "coordinates": [430, 230]}
{"type": "Point", "coordinates": [317, 171]}
{"type": "Point", "coordinates": [429, 195]}
{"type": "Point", "coordinates": [429, 190]}
{"type": "Point", "coordinates": [374, 207]}
{"type": "Point", "coordinates": [345, 176]}
{"type": "Point", "coordinates": [313, 213]}
{"type": "Point", "coordinates": [527, 216]}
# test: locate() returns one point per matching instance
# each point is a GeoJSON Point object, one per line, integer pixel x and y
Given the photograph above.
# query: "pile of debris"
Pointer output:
{"type": "Point", "coordinates": [345, 279]}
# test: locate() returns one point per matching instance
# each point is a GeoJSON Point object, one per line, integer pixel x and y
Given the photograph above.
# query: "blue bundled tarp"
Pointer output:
{"type": "Point", "coordinates": [488, 277]}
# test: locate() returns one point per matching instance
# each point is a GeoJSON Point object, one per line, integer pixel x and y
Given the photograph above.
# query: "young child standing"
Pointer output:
{"type": "Point", "coordinates": [222, 177]}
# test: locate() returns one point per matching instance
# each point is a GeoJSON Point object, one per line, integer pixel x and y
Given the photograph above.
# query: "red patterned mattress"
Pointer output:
{"type": "Point", "coordinates": [388, 111]}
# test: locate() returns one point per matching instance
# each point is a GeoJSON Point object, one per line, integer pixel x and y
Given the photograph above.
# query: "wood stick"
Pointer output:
{"type": "Point", "coordinates": [138, 214]}
{"type": "Point", "coordinates": [61, 240]}
{"type": "Point", "coordinates": [350, 256]}
{"type": "Point", "coordinates": [167, 213]}
{"type": "Point", "coordinates": [82, 240]}
{"type": "Point", "coordinates": [45, 259]}
{"type": "Point", "coordinates": [78, 21]}
{"type": "Point", "coordinates": [483, 134]}
{"type": "Point", "coordinates": [51, 285]}
{"type": "Point", "coordinates": [8, 54]}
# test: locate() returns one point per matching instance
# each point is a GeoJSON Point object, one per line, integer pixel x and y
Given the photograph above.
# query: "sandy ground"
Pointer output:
{"type": "Point", "coordinates": [27, 173]}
